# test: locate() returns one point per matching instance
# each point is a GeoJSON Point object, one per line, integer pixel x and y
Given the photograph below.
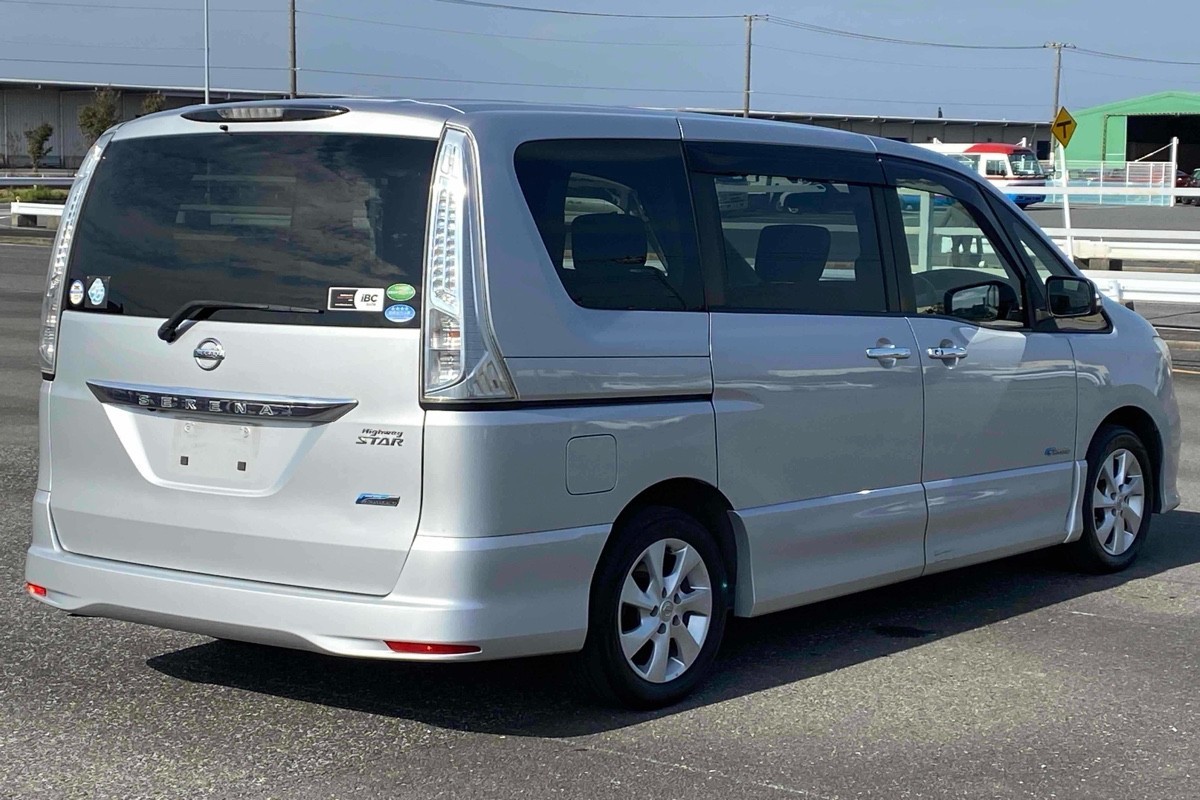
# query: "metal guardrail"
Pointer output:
{"type": "Point", "coordinates": [60, 181]}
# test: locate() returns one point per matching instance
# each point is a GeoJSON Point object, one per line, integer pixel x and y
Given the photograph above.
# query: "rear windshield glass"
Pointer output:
{"type": "Point", "coordinates": [328, 221]}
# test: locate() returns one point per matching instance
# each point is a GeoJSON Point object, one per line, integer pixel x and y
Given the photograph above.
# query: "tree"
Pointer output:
{"type": "Point", "coordinates": [153, 102]}
{"type": "Point", "coordinates": [35, 143]}
{"type": "Point", "coordinates": [100, 114]}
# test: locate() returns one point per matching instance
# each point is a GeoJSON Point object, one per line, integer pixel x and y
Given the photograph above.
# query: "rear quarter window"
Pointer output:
{"type": "Point", "coordinates": [616, 219]}
{"type": "Point", "coordinates": [260, 218]}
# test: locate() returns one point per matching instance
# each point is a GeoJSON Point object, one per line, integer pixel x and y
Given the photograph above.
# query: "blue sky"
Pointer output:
{"type": "Point", "coordinates": [658, 62]}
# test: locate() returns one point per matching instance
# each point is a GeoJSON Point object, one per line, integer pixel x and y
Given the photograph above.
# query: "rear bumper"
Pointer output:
{"type": "Point", "coordinates": [518, 595]}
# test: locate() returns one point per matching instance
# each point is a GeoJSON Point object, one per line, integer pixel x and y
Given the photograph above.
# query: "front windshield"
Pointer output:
{"type": "Point", "coordinates": [1025, 165]}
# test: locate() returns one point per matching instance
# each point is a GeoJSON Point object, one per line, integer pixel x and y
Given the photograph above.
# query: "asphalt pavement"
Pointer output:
{"type": "Point", "coordinates": [1016, 679]}
{"type": "Point", "coordinates": [1146, 218]}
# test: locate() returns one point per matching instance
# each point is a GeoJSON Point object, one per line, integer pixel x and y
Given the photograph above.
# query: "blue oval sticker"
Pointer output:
{"type": "Point", "coordinates": [400, 313]}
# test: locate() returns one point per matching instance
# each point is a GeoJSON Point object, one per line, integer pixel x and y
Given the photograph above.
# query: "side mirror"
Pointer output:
{"type": "Point", "coordinates": [1069, 296]}
{"type": "Point", "coordinates": [982, 302]}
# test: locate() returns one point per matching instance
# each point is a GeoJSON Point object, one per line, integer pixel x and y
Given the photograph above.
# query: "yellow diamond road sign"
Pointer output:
{"type": "Point", "coordinates": [1064, 127]}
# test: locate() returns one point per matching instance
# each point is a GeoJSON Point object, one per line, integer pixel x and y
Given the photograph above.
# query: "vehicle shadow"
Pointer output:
{"type": "Point", "coordinates": [542, 696]}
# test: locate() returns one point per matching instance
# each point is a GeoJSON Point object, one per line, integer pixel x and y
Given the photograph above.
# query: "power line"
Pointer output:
{"type": "Point", "coordinates": [133, 64]}
{"type": "Point", "coordinates": [806, 26]}
{"type": "Point", "coordinates": [797, 24]}
{"type": "Point", "coordinates": [516, 83]}
{"type": "Point", "coordinates": [508, 7]}
{"type": "Point", "coordinates": [514, 36]}
{"type": "Point", "coordinates": [1123, 57]}
{"type": "Point", "coordinates": [888, 63]}
{"type": "Point", "coordinates": [99, 46]}
{"type": "Point", "coordinates": [122, 7]}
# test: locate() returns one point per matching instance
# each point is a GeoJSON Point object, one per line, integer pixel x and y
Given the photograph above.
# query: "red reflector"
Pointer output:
{"type": "Point", "coordinates": [422, 648]}
{"type": "Point", "coordinates": [35, 590]}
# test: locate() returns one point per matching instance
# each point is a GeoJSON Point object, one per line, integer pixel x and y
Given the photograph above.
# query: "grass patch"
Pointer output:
{"type": "Point", "coordinates": [34, 194]}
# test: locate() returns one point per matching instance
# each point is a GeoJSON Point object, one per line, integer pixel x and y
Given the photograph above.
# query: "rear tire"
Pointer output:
{"type": "Point", "coordinates": [657, 612]}
{"type": "Point", "coordinates": [1117, 503]}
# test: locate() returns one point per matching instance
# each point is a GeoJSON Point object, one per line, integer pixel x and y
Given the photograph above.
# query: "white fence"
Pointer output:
{"type": "Point", "coordinates": [1146, 287]}
{"type": "Point", "coordinates": [1129, 245]}
{"type": "Point", "coordinates": [1117, 195]}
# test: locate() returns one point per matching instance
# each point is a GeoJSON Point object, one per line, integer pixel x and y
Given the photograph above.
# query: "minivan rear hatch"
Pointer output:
{"type": "Point", "coordinates": [281, 446]}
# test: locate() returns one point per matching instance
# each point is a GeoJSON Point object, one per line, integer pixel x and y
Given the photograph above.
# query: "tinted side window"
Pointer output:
{"type": "Point", "coordinates": [950, 247]}
{"type": "Point", "coordinates": [798, 245]}
{"type": "Point", "coordinates": [616, 219]}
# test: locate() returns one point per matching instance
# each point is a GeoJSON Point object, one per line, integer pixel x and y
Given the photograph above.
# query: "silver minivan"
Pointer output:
{"type": "Point", "coordinates": [463, 381]}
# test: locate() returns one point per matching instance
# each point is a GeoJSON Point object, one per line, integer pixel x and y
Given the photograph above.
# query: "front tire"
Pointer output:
{"type": "Point", "coordinates": [657, 612]}
{"type": "Point", "coordinates": [1117, 503]}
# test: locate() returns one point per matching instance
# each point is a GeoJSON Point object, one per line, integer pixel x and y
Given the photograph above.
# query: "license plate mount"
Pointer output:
{"type": "Point", "coordinates": [205, 451]}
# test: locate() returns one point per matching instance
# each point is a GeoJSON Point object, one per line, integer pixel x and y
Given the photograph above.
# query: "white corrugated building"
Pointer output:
{"type": "Point", "coordinates": [25, 104]}
{"type": "Point", "coordinates": [918, 130]}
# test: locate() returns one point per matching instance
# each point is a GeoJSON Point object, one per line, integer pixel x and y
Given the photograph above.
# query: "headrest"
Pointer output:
{"type": "Point", "coordinates": [608, 241]}
{"type": "Point", "coordinates": [792, 253]}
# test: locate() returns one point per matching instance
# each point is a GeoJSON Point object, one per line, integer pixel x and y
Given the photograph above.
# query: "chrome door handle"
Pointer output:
{"type": "Point", "coordinates": [888, 352]}
{"type": "Point", "coordinates": [951, 353]}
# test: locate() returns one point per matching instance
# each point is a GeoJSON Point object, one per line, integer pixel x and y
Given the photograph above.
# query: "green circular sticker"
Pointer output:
{"type": "Point", "coordinates": [400, 292]}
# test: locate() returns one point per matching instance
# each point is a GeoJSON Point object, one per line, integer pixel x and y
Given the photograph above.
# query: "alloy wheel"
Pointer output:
{"type": "Point", "coordinates": [665, 610]}
{"type": "Point", "coordinates": [1119, 501]}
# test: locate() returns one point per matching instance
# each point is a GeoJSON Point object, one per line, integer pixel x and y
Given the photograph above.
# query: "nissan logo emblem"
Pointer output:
{"type": "Point", "coordinates": [209, 354]}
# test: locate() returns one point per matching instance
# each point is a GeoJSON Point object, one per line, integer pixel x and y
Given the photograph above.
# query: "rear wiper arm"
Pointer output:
{"type": "Point", "coordinates": [203, 309]}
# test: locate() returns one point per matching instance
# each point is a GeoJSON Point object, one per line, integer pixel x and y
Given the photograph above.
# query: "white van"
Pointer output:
{"type": "Point", "coordinates": [1012, 168]}
{"type": "Point", "coordinates": [433, 381]}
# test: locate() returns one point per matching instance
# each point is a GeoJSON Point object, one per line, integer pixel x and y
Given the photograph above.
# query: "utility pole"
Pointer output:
{"type": "Point", "coordinates": [206, 82]}
{"type": "Point", "coordinates": [750, 18]}
{"type": "Point", "coordinates": [291, 47]}
{"type": "Point", "coordinates": [1058, 48]}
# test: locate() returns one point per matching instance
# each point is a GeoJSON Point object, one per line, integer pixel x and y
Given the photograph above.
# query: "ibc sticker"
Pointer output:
{"type": "Point", "coordinates": [76, 293]}
{"type": "Point", "coordinates": [400, 313]}
{"type": "Point", "coordinates": [350, 299]}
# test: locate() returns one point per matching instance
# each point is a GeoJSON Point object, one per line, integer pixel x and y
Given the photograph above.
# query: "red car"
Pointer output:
{"type": "Point", "coordinates": [1192, 182]}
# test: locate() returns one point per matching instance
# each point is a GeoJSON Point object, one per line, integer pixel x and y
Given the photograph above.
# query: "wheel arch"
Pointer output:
{"type": "Point", "coordinates": [1142, 424]}
{"type": "Point", "coordinates": [698, 498]}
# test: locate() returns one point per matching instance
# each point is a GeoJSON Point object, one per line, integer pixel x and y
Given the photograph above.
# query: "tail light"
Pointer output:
{"type": "Point", "coordinates": [461, 361]}
{"type": "Point", "coordinates": [61, 254]}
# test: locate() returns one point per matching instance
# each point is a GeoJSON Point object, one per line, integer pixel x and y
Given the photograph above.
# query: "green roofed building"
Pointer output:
{"type": "Point", "coordinates": [1130, 129]}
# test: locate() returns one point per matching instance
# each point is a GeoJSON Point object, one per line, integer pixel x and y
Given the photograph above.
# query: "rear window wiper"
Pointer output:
{"type": "Point", "coordinates": [203, 309]}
